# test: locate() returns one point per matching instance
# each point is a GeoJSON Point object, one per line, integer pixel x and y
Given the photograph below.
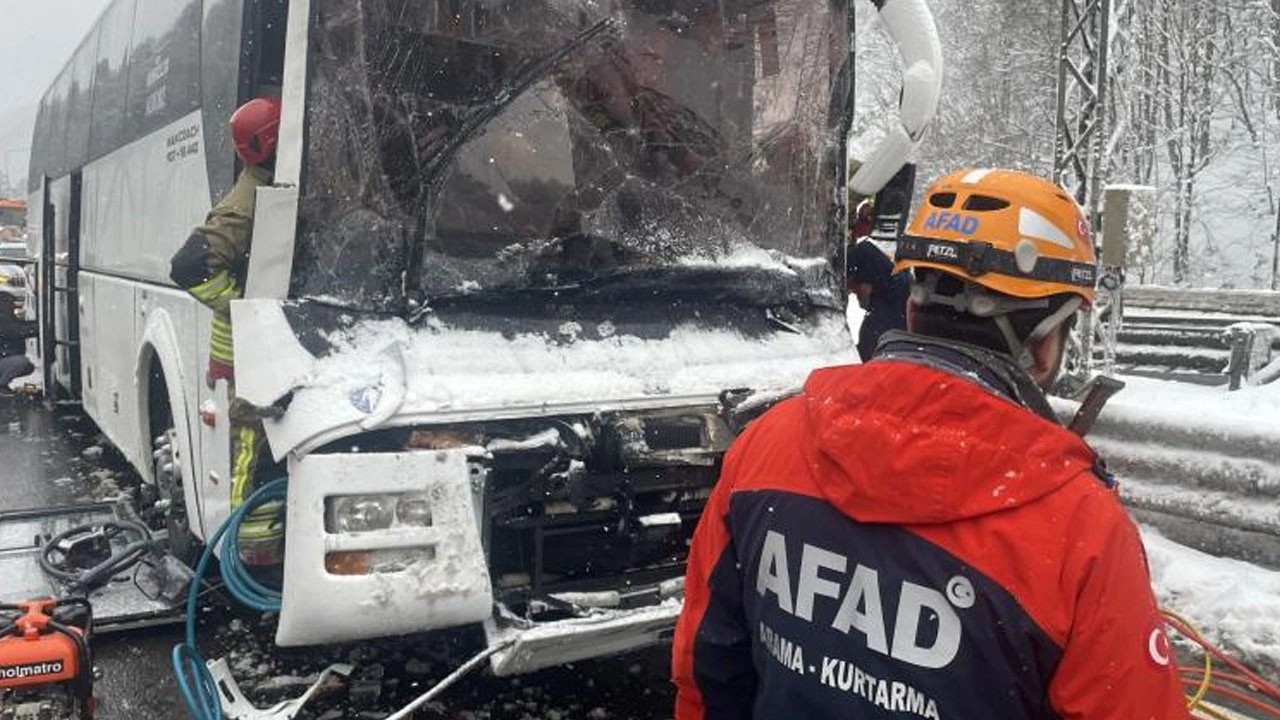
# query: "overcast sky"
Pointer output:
{"type": "Point", "coordinates": [37, 38]}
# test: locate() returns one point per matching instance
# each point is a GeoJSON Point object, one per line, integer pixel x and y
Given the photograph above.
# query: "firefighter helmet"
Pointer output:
{"type": "Point", "coordinates": [255, 129]}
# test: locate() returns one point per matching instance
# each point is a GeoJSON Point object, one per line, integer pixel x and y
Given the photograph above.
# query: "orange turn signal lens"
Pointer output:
{"type": "Point", "coordinates": [348, 563]}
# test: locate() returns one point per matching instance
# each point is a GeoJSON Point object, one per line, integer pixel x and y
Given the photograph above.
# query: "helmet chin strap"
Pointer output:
{"type": "Point", "coordinates": [980, 303]}
{"type": "Point", "coordinates": [1022, 350]}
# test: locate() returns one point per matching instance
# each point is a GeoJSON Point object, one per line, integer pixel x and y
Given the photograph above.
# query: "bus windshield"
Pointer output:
{"type": "Point", "coordinates": [457, 147]}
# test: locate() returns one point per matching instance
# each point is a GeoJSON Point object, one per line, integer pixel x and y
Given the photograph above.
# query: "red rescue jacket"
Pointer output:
{"type": "Point", "coordinates": [901, 541]}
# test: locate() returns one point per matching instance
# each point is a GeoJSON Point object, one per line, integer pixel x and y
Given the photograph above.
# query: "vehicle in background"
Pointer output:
{"type": "Point", "coordinates": [524, 272]}
{"type": "Point", "coordinates": [13, 281]}
{"type": "Point", "coordinates": [13, 231]}
{"type": "Point", "coordinates": [13, 219]}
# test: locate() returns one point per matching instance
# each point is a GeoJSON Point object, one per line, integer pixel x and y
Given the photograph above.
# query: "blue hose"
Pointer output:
{"type": "Point", "coordinates": [195, 684]}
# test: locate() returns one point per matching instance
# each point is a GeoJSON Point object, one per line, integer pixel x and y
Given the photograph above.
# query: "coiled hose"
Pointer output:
{"type": "Point", "coordinates": [82, 581]}
{"type": "Point", "coordinates": [196, 686]}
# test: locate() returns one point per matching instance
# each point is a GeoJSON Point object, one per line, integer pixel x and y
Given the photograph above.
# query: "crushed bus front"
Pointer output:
{"type": "Point", "coordinates": [543, 261]}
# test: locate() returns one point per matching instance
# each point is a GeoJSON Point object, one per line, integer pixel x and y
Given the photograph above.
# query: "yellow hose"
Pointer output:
{"type": "Point", "coordinates": [1194, 701]}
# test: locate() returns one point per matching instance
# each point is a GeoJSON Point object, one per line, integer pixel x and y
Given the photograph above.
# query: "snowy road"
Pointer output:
{"type": "Point", "coordinates": [48, 459]}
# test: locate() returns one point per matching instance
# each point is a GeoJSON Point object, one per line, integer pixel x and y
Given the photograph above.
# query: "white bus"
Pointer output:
{"type": "Point", "coordinates": [525, 270]}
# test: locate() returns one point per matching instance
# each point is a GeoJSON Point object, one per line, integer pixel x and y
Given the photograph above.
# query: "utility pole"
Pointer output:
{"type": "Point", "coordinates": [1079, 154]}
{"type": "Point", "coordinates": [1081, 114]}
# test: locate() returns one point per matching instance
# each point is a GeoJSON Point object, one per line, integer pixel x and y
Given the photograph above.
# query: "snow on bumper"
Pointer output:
{"type": "Point", "coordinates": [565, 641]}
{"type": "Point", "coordinates": [343, 585]}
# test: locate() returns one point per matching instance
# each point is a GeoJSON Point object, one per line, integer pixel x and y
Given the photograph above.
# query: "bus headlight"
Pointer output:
{"type": "Point", "coordinates": [414, 510]}
{"type": "Point", "coordinates": [360, 513]}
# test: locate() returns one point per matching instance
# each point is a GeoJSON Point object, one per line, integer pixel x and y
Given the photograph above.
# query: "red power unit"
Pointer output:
{"type": "Point", "coordinates": [46, 669]}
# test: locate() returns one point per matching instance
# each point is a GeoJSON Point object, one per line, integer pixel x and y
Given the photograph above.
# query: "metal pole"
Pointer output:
{"type": "Point", "coordinates": [1275, 254]}
{"type": "Point", "coordinates": [1061, 141]}
{"type": "Point", "coordinates": [1098, 160]}
{"type": "Point", "coordinates": [455, 676]}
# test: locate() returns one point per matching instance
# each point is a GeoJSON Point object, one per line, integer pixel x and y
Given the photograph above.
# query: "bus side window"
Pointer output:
{"type": "Point", "coordinates": [59, 96]}
{"type": "Point", "coordinates": [164, 63]}
{"type": "Point", "coordinates": [222, 44]}
{"type": "Point", "coordinates": [106, 133]}
{"type": "Point", "coordinates": [40, 148]}
{"type": "Point", "coordinates": [272, 17]}
{"type": "Point", "coordinates": [80, 101]}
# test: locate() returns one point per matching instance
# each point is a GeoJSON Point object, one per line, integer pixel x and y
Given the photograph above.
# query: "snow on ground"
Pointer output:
{"type": "Point", "coordinates": [1235, 604]}
{"type": "Point", "coordinates": [1188, 405]}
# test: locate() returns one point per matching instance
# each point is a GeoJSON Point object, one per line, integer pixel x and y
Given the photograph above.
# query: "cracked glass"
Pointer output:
{"type": "Point", "coordinates": [455, 147]}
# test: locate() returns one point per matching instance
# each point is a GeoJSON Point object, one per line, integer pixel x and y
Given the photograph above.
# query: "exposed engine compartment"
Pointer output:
{"type": "Point", "coordinates": [585, 511]}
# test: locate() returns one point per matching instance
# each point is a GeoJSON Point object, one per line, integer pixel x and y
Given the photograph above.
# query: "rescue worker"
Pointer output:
{"type": "Point", "coordinates": [14, 332]}
{"type": "Point", "coordinates": [212, 266]}
{"type": "Point", "coordinates": [918, 536]}
{"type": "Point", "coordinates": [881, 292]}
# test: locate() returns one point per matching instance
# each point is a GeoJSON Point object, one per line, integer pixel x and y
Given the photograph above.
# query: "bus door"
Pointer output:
{"type": "Point", "coordinates": [60, 304]}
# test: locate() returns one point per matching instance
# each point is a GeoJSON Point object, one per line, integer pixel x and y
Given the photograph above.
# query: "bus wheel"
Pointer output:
{"type": "Point", "coordinates": [168, 473]}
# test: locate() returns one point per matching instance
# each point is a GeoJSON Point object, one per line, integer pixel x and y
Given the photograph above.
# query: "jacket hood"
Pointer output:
{"type": "Point", "coordinates": [899, 442]}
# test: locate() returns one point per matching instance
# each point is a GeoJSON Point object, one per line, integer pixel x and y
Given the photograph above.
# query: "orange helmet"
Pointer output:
{"type": "Point", "coordinates": [1016, 239]}
{"type": "Point", "coordinates": [1010, 232]}
{"type": "Point", "coordinates": [255, 129]}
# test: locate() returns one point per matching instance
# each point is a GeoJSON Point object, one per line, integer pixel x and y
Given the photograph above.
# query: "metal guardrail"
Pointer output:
{"type": "Point", "coordinates": [1215, 337]}
{"type": "Point", "coordinates": [1214, 486]}
{"type": "Point", "coordinates": [1264, 303]}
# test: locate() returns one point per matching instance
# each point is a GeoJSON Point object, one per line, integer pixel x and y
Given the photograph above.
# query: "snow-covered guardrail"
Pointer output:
{"type": "Point", "coordinates": [1264, 303]}
{"type": "Point", "coordinates": [1199, 463]}
{"type": "Point", "coordinates": [1174, 331]}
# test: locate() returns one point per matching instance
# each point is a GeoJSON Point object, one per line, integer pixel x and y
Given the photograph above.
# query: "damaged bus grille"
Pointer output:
{"type": "Point", "coordinates": [590, 512]}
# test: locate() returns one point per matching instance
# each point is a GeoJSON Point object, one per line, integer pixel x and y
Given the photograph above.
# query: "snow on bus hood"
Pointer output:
{"type": "Point", "coordinates": [385, 372]}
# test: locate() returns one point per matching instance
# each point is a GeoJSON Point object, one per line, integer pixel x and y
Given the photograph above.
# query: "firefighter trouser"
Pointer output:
{"type": "Point", "coordinates": [262, 532]}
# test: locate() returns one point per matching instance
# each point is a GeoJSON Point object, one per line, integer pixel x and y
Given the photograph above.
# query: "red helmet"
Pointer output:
{"type": "Point", "coordinates": [255, 128]}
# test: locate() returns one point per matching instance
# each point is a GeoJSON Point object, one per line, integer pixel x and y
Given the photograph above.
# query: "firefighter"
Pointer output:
{"type": "Point", "coordinates": [212, 266]}
{"type": "Point", "coordinates": [918, 536]}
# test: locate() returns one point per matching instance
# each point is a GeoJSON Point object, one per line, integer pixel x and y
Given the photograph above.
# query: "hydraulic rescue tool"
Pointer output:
{"type": "Point", "coordinates": [46, 670]}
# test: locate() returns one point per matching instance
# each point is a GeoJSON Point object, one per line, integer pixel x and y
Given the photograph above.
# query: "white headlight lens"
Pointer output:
{"type": "Point", "coordinates": [362, 513]}
{"type": "Point", "coordinates": [414, 510]}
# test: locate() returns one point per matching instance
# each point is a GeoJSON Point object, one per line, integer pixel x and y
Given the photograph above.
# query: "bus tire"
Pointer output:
{"type": "Point", "coordinates": [183, 544]}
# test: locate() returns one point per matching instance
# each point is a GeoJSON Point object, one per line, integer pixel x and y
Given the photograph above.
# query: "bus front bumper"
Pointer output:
{"type": "Point", "coordinates": [380, 544]}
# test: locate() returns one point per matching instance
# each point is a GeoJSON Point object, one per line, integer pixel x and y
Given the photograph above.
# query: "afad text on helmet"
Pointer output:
{"type": "Point", "coordinates": [962, 223]}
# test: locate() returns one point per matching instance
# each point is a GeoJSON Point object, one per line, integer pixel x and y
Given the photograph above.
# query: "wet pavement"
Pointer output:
{"type": "Point", "coordinates": [57, 458]}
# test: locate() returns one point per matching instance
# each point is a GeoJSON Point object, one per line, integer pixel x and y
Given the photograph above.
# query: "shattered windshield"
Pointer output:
{"type": "Point", "coordinates": [457, 146]}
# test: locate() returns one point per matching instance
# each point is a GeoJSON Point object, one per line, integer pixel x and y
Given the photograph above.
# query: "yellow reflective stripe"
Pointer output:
{"type": "Point", "coordinates": [212, 288]}
{"type": "Point", "coordinates": [221, 345]}
{"type": "Point", "coordinates": [264, 523]}
{"type": "Point", "coordinates": [217, 292]}
{"type": "Point", "coordinates": [242, 465]}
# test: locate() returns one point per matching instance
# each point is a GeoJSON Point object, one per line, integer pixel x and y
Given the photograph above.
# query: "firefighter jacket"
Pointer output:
{"type": "Point", "coordinates": [917, 537]}
{"type": "Point", "coordinates": [213, 263]}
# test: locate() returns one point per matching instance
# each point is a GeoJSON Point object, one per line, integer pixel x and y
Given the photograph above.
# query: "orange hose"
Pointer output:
{"type": "Point", "coordinates": [1244, 698]}
{"type": "Point", "coordinates": [1254, 679]}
